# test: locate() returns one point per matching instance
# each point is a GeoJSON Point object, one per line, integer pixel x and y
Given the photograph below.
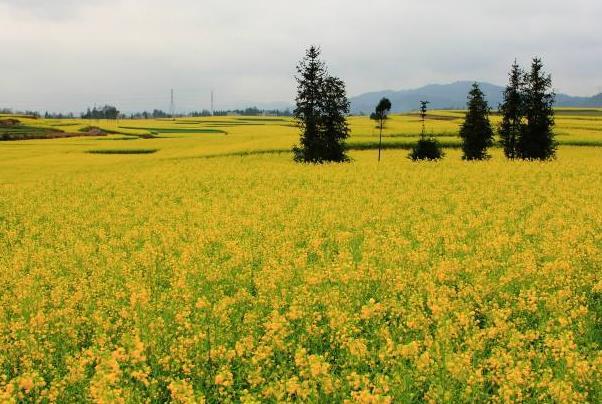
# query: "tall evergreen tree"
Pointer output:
{"type": "Point", "coordinates": [321, 112]}
{"type": "Point", "coordinates": [476, 132]}
{"type": "Point", "coordinates": [334, 129]}
{"type": "Point", "coordinates": [311, 74]}
{"type": "Point", "coordinates": [537, 136]}
{"type": "Point", "coordinates": [512, 110]}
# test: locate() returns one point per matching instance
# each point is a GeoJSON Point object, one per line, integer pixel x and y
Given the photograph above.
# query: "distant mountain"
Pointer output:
{"type": "Point", "coordinates": [563, 100]}
{"type": "Point", "coordinates": [451, 96]}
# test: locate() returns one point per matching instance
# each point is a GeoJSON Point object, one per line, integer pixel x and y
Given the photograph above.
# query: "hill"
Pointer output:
{"type": "Point", "coordinates": [451, 96]}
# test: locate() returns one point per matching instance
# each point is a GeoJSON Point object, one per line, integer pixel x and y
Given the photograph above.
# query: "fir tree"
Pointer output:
{"type": "Point", "coordinates": [312, 73]}
{"type": "Point", "coordinates": [512, 110]}
{"type": "Point", "coordinates": [536, 140]}
{"type": "Point", "coordinates": [476, 132]}
{"type": "Point", "coordinates": [334, 129]}
{"type": "Point", "coordinates": [321, 112]}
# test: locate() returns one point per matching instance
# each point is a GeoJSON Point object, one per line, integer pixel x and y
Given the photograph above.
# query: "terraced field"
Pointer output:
{"type": "Point", "coordinates": [225, 135]}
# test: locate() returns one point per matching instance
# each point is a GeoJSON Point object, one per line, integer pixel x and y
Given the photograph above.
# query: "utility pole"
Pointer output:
{"type": "Point", "coordinates": [172, 107]}
{"type": "Point", "coordinates": [212, 111]}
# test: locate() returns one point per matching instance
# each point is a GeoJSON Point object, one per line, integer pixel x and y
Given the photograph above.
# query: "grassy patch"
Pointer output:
{"type": "Point", "coordinates": [123, 151]}
{"type": "Point", "coordinates": [573, 112]}
{"type": "Point", "coordinates": [439, 117]}
{"type": "Point", "coordinates": [177, 130]}
{"type": "Point", "coordinates": [262, 119]}
{"type": "Point", "coordinates": [120, 138]}
{"type": "Point", "coordinates": [63, 124]}
{"type": "Point", "coordinates": [24, 132]}
{"type": "Point", "coordinates": [96, 129]}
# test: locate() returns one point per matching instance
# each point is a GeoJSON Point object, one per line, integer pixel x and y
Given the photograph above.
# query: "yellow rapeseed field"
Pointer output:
{"type": "Point", "coordinates": [218, 270]}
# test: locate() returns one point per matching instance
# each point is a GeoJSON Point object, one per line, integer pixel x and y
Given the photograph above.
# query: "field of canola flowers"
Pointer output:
{"type": "Point", "coordinates": [217, 270]}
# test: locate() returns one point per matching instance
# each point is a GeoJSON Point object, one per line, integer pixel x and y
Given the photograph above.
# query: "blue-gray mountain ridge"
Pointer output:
{"type": "Point", "coordinates": [452, 96]}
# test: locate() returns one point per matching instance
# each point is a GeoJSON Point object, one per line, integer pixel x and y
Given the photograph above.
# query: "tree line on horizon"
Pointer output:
{"type": "Point", "coordinates": [110, 112]}
{"type": "Point", "coordinates": [526, 131]}
{"type": "Point", "coordinates": [100, 113]}
{"type": "Point", "coordinates": [249, 111]}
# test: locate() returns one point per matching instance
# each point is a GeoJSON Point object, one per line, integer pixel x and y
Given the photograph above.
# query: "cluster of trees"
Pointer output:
{"type": "Point", "coordinates": [526, 130]}
{"type": "Point", "coordinates": [106, 112]}
{"type": "Point", "coordinates": [528, 114]}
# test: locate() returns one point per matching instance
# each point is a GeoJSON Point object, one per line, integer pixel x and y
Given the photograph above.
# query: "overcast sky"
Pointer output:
{"type": "Point", "coordinates": [63, 55]}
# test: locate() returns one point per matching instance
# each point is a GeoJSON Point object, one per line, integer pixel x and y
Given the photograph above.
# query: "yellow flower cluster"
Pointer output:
{"type": "Point", "coordinates": [164, 278]}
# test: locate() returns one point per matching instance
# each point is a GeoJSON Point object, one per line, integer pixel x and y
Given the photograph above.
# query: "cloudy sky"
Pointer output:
{"type": "Point", "coordinates": [63, 55]}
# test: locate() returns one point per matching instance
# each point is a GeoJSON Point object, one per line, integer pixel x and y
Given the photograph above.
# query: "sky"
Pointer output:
{"type": "Point", "coordinates": [65, 55]}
